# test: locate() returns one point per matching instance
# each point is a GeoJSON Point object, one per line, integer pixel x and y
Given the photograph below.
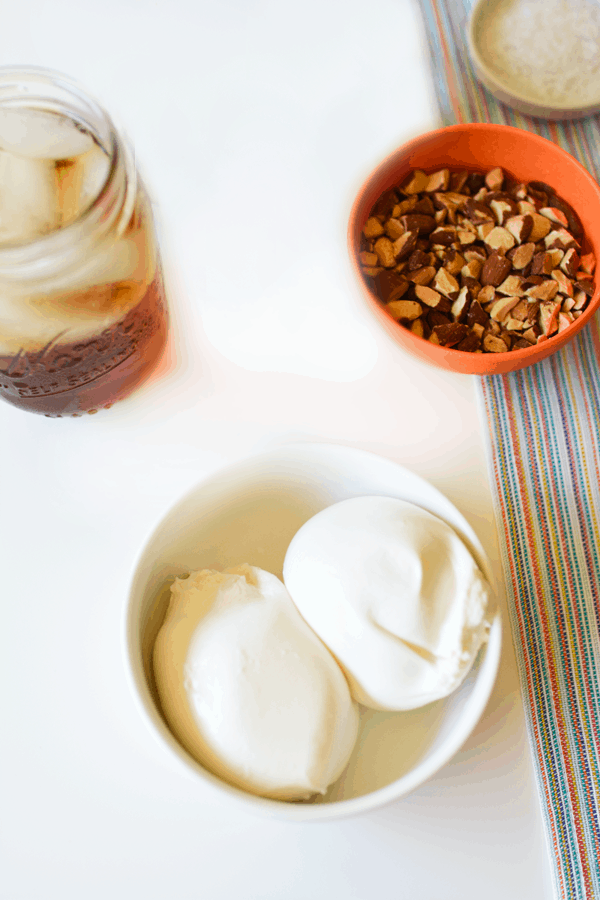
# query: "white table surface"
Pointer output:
{"type": "Point", "coordinates": [255, 123]}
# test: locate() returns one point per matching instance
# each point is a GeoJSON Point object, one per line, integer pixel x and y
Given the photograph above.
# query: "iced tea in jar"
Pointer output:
{"type": "Point", "coordinates": [83, 317]}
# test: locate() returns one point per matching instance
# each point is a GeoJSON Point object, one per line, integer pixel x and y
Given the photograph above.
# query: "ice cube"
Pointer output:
{"type": "Point", "coordinates": [93, 168]}
{"type": "Point", "coordinates": [42, 135]}
{"type": "Point", "coordinates": [28, 198]}
{"type": "Point", "coordinates": [69, 180]}
{"type": "Point", "coordinates": [79, 182]}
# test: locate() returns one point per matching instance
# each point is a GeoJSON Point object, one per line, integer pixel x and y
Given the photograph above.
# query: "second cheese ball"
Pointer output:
{"type": "Point", "coordinates": [248, 689]}
{"type": "Point", "coordinates": [395, 595]}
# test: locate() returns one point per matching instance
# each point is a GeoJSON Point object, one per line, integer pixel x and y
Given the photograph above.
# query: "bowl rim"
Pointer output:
{"type": "Point", "coordinates": [443, 357]}
{"type": "Point", "coordinates": [300, 811]}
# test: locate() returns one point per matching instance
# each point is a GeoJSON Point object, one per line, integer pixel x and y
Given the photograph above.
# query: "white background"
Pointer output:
{"type": "Point", "coordinates": [255, 123]}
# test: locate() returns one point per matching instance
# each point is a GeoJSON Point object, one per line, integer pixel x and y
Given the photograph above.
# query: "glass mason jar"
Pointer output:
{"type": "Point", "coordinates": [83, 316]}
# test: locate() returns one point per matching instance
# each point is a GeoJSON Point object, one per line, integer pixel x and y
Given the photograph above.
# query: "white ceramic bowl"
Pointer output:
{"type": "Point", "coordinates": [249, 512]}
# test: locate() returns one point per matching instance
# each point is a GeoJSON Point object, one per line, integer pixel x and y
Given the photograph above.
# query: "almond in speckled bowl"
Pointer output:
{"type": "Point", "coordinates": [481, 147]}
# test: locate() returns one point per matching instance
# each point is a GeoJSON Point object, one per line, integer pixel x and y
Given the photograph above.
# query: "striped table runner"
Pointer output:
{"type": "Point", "coordinates": [543, 438]}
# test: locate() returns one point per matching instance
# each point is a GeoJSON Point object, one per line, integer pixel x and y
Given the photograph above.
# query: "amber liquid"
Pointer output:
{"type": "Point", "coordinates": [68, 379]}
{"type": "Point", "coordinates": [84, 335]}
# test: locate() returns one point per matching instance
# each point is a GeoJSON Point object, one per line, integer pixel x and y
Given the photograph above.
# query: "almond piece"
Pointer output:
{"type": "Point", "coordinates": [478, 212]}
{"type": "Point", "coordinates": [555, 215]}
{"type": "Point", "coordinates": [427, 295]}
{"type": "Point", "coordinates": [588, 263]}
{"type": "Point", "coordinates": [385, 204]}
{"type": "Point", "coordinates": [449, 335]}
{"type": "Point", "coordinates": [418, 327]}
{"type": "Point", "coordinates": [533, 310]}
{"type": "Point", "coordinates": [484, 229]}
{"type": "Point", "coordinates": [537, 198]}
{"type": "Point", "coordinates": [424, 206]}
{"type": "Point", "coordinates": [556, 256]}
{"type": "Point", "coordinates": [367, 258]}
{"type": "Point", "coordinates": [486, 294]}
{"type": "Point", "coordinates": [500, 239]}
{"type": "Point", "coordinates": [438, 181]}
{"type": "Point", "coordinates": [542, 263]}
{"type": "Point", "coordinates": [584, 276]}
{"type": "Point", "coordinates": [453, 262]}
{"type": "Point", "coordinates": [372, 271]}
{"type": "Point", "coordinates": [445, 282]}
{"type": "Point", "coordinates": [522, 255]}
{"type": "Point", "coordinates": [405, 244]}
{"type": "Point", "coordinates": [373, 228]}
{"type": "Point", "coordinates": [418, 222]}
{"type": "Point", "coordinates": [520, 311]}
{"type": "Point", "coordinates": [564, 321]}
{"type": "Point", "coordinates": [475, 253]}
{"type": "Point", "coordinates": [570, 262]}
{"type": "Point", "coordinates": [547, 290]}
{"type": "Point", "coordinates": [404, 207]}
{"type": "Point", "coordinates": [394, 228]}
{"type": "Point", "coordinates": [501, 308]}
{"type": "Point", "coordinates": [390, 285]}
{"type": "Point", "coordinates": [565, 285]}
{"type": "Point", "coordinates": [404, 310]}
{"type": "Point", "coordinates": [435, 317]}
{"type": "Point", "coordinates": [460, 307]}
{"type": "Point", "coordinates": [494, 179]}
{"type": "Point", "coordinates": [418, 259]}
{"type": "Point", "coordinates": [495, 269]}
{"type": "Point", "coordinates": [466, 237]}
{"type": "Point", "coordinates": [512, 324]}
{"type": "Point", "coordinates": [502, 209]}
{"type": "Point", "coordinates": [472, 269]}
{"type": "Point", "coordinates": [451, 200]}
{"type": "Point", "coordinates": [470, 343]}
{"type": "Point", "coordinates": [559, 238]}
{"type": "Point", "coordinates": [587, 286]}
{"type": "Point", "coordinates": [540, 228]}
{"type": "Point", "coordinates": [526, 208]}
{"type": "Point", "coordinates": [473, 285]}
{"type": "Point", "coordinates": [511, 286]}
{"type": "Point", "coordinates": [459, 179]}
{"type": "Point", "coordinates": [548, 319]}
{"type": "Point", "coordinates": [385, 252]}
{"type": "Point", "coordinates": [417, 183]}
{"type": "Point", "coordinates": [477, 315]}
{"type": "Point", "coordinates": [422, 276]}
{"type": "Point", "coordinates": [520, 227]}
{"type": "Point", "coordinates": [445, 235]}
{"type": "Point", "coordinates": [494, 344]}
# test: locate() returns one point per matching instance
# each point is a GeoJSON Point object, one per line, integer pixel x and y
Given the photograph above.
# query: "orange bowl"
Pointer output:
{"type": "Point", "coordinates": [481, 147]}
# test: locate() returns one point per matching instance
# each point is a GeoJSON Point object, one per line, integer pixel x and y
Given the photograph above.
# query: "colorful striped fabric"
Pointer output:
{"type": "Point", "coordinates": [543, 436]}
